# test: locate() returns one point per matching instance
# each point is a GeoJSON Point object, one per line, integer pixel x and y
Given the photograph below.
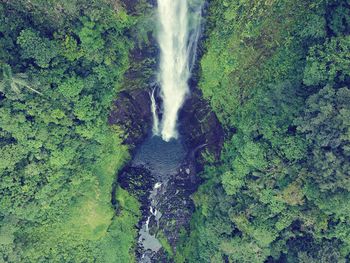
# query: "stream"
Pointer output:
{"type": "Point", "coordinates": [163, 160]}
{"type": "Point", "coordinates": [162, 175]}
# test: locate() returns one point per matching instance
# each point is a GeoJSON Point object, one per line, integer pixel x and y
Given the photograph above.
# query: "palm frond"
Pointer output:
{"type": "Point", "coordinates": [15, 87]}
{"type": "Point", "coordinates": [15, 81]}
{"type": "Point", "coordinates": [2, 85]}
{"type": "Point", "coordinates": [21, 75]}
{"type": "Point", "coordinates": [7, 72]}
{"type": "Point", "coordinates": [32, 89]}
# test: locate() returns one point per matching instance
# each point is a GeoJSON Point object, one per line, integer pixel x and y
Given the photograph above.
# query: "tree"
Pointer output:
{"type": "Point", "coordinates": [326, 126]}
{"type": "Point", "coordinates": [328, 63]}
{"type": "Point", "coordinates": [42, 50]}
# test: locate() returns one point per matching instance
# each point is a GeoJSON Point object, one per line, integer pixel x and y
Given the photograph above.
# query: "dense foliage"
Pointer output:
{"type": "Point", "coordinates": [277, 73]}
{"type": "Point", "coordinates": [61, 65]}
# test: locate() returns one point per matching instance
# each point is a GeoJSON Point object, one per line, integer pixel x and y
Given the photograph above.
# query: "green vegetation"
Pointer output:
{"type": "Point", "coordinates": [165, 244]}
{"type": "Point", "coordinates": [62, 63]}
{"type": "Point", "coordinates": [277, 74]}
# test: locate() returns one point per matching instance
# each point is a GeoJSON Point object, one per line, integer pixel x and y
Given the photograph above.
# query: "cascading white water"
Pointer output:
{"type": "Point", "coordinates": [177, 39]}
{"type": "Point", "coordinates": [155, 128]}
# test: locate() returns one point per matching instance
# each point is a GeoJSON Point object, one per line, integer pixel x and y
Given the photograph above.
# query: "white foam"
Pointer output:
{"type": "Point", "coordinates": [177, 51]}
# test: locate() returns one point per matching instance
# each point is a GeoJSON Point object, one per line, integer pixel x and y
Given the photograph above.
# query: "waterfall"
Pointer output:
{"type": "Point", "coordinates": [155, 128]}
{"type": "Point", "coordinates": [179, 29]}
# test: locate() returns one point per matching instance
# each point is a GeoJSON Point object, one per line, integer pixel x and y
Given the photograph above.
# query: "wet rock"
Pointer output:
{"type": "Point", "coordinates": [137, 181]}
{"type": "Point", "coordinates": [131, 111]}
{"type": "Point", "coordinates": [200, 127]}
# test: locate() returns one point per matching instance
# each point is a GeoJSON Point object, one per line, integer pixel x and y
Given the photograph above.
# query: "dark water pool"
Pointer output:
{"type": "Point", "coordinates": [160, 157]}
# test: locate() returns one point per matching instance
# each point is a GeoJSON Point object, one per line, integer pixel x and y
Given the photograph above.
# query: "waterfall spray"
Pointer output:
{"type": "Point", "coordinates": [177, 39]}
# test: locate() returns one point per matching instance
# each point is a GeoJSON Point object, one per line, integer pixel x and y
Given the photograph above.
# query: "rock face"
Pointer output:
{"type": "Point", "coordinates": [200, 127]}
{"type": "Point", "coordinates": [132, 112]}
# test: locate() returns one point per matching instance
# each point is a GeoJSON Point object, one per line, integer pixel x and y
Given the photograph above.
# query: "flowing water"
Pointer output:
{"type": "Point", "coordinates": [160, 161]}
{"type": "Point", "coordinates": [155, 128]}
{"type": "Point", "coordinates": [179, 30]}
